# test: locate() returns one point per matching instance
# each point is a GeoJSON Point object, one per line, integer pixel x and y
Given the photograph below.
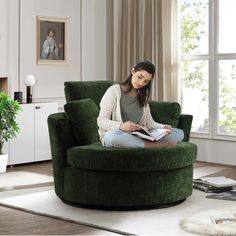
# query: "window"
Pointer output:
{"type": "Point", "coordinates": [208, 72]}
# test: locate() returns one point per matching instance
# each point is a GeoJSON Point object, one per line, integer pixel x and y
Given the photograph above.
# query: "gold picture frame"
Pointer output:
{"type": "Point", "coordinates": [51, 35]}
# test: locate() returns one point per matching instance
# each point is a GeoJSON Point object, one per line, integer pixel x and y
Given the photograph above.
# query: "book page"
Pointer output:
{"type": "Point", "coordinates": [144, 134]}
{"type": "Point", "coordinates": [154, 134]}
{"type": "Point", "coordinates": [158, 133]}
{"type": "Point", "coordinates": [144, 131]}
{"type": "Point", "coordinates": [219, 181]}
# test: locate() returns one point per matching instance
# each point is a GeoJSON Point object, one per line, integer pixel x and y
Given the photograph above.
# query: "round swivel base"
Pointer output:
{"type": "Point", "coordinates": [124, 208]}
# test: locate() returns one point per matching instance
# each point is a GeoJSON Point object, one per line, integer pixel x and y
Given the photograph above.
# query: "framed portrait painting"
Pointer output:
{"type": "Point", "coordinates": [51, 40]}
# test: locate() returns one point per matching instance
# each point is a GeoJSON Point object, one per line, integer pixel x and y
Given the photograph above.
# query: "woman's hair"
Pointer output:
{"type": "Point", "coordinates": [144, 92]}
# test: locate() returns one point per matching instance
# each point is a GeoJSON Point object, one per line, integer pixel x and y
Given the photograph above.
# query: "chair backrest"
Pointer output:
{"type": "Point", "coordinates": [162, 112]}
{"type": "Point", "coordinates": [77, 90]}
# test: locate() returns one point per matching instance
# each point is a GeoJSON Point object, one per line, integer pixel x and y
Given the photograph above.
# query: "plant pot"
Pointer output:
{"type": "Point", "coordinates": [3, 162]}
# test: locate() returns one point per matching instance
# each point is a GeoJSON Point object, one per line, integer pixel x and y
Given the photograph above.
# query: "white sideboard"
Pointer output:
{"type": "Point", "coordinates": [32, 142]}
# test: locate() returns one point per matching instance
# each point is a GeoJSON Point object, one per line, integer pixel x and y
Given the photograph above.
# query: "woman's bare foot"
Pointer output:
{"type": "Point", "coordinates": [160, 144]}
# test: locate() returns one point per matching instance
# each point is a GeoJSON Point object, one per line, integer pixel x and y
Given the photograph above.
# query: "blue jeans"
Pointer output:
{"type": "Point", "coordinates": [118, 138]}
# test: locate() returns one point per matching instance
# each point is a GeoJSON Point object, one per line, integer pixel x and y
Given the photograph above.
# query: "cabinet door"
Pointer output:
{"type": "Point", "coordinates": [21, 148]}
{"type": "Point", "coordinates": [5, 150]}
{"type": "Point", "coordinates": [42, 144]}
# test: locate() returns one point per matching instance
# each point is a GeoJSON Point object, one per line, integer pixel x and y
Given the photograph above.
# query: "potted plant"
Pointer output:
{"type": "Point", "coordinates": [8, 126]}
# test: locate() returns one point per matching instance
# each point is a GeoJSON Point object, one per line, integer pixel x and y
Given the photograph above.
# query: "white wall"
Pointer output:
{"type": "Point", "coordinates": [86, 45]}
{"type": "Point", "coordinates": [216, 151]}
{"type": "Point", "coordinates": [49, 78]}
{"type": "Point", "coordinates": [94, 40]}
{"type": "Point", "coordinates": [3, 38]}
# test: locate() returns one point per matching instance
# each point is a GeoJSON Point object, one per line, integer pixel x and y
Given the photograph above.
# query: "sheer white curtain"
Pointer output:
{"type": "Point", "coordinates": [144, 30]}
{"type": "Point", "coordinates": [171, 51]}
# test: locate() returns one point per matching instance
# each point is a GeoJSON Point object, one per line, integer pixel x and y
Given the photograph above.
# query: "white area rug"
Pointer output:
{"type": "Point", "coordinates": [147, 222]}
{"type": "Point", "coordinates": [161, 222]}
{"type": "Point", "coordinates": [10, 180]}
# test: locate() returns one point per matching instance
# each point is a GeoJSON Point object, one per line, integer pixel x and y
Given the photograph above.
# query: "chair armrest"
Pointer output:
{"type": "Point", "coordinates": [61, 139]}
{"type": "Point", "coordinates": [169, 113]}
{"type": "Point", "coordinates": [185, 123]}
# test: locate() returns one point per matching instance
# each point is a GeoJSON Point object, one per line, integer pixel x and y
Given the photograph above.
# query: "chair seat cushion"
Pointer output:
{"type": "Point", "coordinates": [97, 157]}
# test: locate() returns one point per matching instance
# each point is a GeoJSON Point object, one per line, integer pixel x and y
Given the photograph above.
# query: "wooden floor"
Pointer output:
{"type": "Point", "coordinates": [16, 222]}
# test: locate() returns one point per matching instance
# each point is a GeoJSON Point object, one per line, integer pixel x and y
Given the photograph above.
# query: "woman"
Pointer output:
{"type": "Point", "coordinates": [124, 108]}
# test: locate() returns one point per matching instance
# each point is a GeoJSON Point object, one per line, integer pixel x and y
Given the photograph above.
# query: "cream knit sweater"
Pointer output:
{"type": "Point", "coordinates": [110, 113]}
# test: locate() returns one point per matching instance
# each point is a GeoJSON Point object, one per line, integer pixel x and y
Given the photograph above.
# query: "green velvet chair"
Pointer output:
{"type": "Point", "coordinates": [89, 175]}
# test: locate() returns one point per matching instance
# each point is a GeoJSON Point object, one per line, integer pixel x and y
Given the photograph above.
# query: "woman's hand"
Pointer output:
{"type": "Point", "coordinates": [168, 127]}
{"type": "Point", "coordinates": [129, 126]}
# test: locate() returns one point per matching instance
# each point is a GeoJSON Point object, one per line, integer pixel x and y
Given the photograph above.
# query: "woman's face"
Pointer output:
{"type": "Point", "coordinates": [140, 78]}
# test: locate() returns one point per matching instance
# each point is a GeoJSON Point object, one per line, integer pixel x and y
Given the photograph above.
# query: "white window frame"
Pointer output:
{"type": "Point", "coordinates": [213, 58]}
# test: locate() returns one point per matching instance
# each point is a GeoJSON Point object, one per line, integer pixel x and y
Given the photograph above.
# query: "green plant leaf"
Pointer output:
{"type": "Point", "coordinates": [9, 108]}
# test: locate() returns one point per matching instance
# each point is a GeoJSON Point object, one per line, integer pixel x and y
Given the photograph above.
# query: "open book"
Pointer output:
{"type": "Point", "coordinates": [228, 195]}
{"type": "Point", "coordinates": [216, 181]}
{"type": "Point", "coordinates": [153, 135]}
{"type": "Point", "coordinates": [211, 189]}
